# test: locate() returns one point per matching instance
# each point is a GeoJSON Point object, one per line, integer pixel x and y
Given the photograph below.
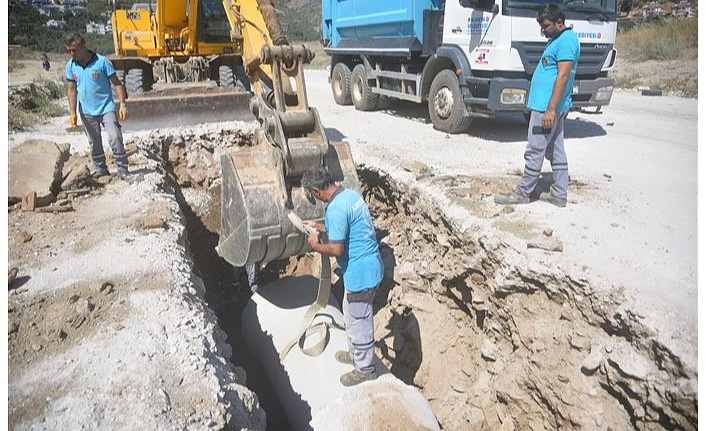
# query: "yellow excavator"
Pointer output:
{"type": "Point", "coordinates": [260, 183]}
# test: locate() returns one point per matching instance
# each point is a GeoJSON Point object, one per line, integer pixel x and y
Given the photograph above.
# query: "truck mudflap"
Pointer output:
{"type": "Point", "coordinates": [256, 201]}
{"type": "Point", "coordinates": [186, 106]}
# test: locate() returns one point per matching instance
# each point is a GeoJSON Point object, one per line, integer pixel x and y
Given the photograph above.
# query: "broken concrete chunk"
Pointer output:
{"type": "Point", "coordinates": [549, 244]}
{"type": "Point", "coordinates": [22, 237]}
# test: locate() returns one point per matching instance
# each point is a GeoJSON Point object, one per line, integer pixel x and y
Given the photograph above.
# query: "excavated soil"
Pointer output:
{"type": "Point", "coordinates": [531, 352]}
{"type": "Point", "coordinates": [492, 344]}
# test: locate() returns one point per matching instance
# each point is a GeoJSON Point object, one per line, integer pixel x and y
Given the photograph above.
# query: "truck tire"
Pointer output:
{"type": "Point", "coordinates": [384, 102]}
{"type": "Point", "coordinates": [361, 94]}
{"type": "Point", "coordinates": [341, 84]}
{"type": "Point", "coordinates": [445, 103]}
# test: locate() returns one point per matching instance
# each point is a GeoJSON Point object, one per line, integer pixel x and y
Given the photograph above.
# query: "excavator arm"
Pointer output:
{"type": "Point", "coordinates": [261, 184]}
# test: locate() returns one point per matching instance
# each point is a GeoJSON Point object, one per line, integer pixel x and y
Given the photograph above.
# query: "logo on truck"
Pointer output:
{"type": "Point", "coordinates": [587, 35]}
{"type": "Point", "coordinates": [477, 25]}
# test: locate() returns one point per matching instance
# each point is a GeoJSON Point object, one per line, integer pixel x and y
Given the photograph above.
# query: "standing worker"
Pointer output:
{"type": "Point", "coordinates": [89, 76]}
{"type": "Point", "coordinates": [549, 101]}
{"type": "Point", "coordinates": [352, 240]}
{"type": "Point", "coordinates": [45, 62]}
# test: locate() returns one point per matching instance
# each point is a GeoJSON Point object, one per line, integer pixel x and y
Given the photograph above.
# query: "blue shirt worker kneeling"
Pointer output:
{"type": "Point", "coordinates": [549, 101]}
{"type": "Point", "coordinates": [89, 76]}
{"type": "Point", "coordinates": [352, 240]}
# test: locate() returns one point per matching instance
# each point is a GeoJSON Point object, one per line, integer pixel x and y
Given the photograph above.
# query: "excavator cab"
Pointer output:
{"type": "Point", "coordinates": [261, 184]}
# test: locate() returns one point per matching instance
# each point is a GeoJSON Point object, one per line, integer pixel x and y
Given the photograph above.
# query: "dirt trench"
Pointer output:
{"type": "Point", "coordinates": [492, 345]}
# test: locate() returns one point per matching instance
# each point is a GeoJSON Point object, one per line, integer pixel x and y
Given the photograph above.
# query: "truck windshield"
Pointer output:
{"type": "Point", "coordinates": [574, 9]}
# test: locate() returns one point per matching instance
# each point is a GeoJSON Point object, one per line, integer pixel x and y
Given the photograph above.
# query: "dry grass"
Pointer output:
{"type": "Point", "coordinates": [661, 56]}
{"type": "Point", "coordinates": [659, 41]}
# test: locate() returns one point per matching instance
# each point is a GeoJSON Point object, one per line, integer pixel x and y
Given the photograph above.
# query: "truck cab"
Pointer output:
{"type": "Point", "coordinates": [463, 58]}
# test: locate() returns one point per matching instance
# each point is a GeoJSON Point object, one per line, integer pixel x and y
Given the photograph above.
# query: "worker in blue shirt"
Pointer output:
{"type": "Point", "coordinates": [89, 76]}
{"type": "Point", "coordinates": [549, 102]}
{"type": "Point", "coordinates": [352, 240]}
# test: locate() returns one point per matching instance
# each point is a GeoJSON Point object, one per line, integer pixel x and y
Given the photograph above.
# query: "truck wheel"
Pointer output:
{"type": "Point", "coordinates": [341, 84]}
{"type": "Point", "coordinates": [361, 94]}
{"type": "Point", "coordinates": [445, 103]}
{"type": "Point", "coordinates": [384, 102]}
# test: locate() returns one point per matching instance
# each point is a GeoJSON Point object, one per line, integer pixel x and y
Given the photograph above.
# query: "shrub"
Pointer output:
{"type": "Point", "coordinates": [33, 103]}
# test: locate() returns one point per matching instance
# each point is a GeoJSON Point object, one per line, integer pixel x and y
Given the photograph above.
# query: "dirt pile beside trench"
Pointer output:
{"type": "Point", "coordinates": [108, 327]}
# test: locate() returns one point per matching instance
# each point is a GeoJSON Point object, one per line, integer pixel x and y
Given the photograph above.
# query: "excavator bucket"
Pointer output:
{"type": "Point", "coordinates": [256, 201]}
{"type": "Point", "coordinates": [187, 105]}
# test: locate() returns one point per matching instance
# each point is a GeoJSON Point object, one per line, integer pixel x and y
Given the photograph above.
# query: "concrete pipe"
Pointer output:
{"type": "Point", "coordinates": [308, 387]}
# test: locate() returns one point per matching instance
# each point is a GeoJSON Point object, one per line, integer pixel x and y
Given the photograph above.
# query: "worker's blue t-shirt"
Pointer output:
{"type": "Point", "coordinates": [95, 94]}
{"type": "Point", "coordinates": [348, 221]}
{"type": "Point", "coordinates": [564, 47]}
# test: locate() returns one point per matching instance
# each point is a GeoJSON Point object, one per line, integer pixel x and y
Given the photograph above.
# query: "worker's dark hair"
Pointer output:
{"type": "Point", "coordinates": [75, 38]}
{"type": "Point", "coordinates": [317, 178]}
{"type": "Point", "coordinates": [552, 12]}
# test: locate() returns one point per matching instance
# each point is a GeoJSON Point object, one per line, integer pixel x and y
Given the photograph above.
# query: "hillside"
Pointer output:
{"type": "Point", "coordinates": [302, 19]}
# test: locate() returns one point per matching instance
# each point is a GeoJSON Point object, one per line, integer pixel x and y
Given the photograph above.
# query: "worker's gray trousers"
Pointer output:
{"type": "Point", "coordinates": [358, 313]}
{"type": "Point", "coordinates": [549, 145]}
{"type": "Point", "coordinates": [109, 120]}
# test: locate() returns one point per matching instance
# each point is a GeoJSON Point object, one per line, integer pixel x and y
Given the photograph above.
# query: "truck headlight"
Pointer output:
{"type": "Point", "coordinates": [513, 96]}
{"type": "Point", "coordinates": [604, 93]}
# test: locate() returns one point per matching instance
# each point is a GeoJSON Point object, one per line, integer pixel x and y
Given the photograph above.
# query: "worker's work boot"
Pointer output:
{"type": "Point", "coordinates": [123, 173]}
{"type": "Point", "coordinates": [512, 198]}
{"type": "Point", "coordinates": [355, 377]}
{"type": "Point", "coordinates": [552, 199]}
{"type": "Point", "coordinates": [100, 172]}
{"type": "Point", "coordinates": [344, 357]}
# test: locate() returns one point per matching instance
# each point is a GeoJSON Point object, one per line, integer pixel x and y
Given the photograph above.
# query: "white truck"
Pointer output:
{"type": "Point", "coordinates": [464, 58]}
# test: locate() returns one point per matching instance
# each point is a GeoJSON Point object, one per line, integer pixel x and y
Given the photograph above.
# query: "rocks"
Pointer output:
{"type": "Point", "coordinates": [34, 166]}
{"type": "Point", "coordinates": [593, 361]}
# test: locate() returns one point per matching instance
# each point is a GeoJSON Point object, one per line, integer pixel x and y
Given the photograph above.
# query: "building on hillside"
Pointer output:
{"type": "Point", "coordinates": [653, 10]}
{"type": "Point", "coordinates": [97, 28]}
{"type": "Point", "coordinates": [683, 9]}
{"type": "Point", "coordinates": [56, 23]}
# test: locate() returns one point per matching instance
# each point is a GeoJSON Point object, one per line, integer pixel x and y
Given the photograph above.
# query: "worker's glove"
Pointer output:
{"type": "Point", "coordinates": [73, 120]}
{"type": "Point", "coordinates": [123, 112]}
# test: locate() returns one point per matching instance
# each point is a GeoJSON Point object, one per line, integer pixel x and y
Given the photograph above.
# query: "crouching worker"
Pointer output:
{"type": "Point", "coordinates": [352, 240]}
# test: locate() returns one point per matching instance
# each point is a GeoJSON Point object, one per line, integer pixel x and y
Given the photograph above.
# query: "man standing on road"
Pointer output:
{"type": "Point", "coordinates": [89, 76]}
{"type": "Point", "coordinates": [352, 240]}
{"type": "Point", "coordinates": [549, 101]}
